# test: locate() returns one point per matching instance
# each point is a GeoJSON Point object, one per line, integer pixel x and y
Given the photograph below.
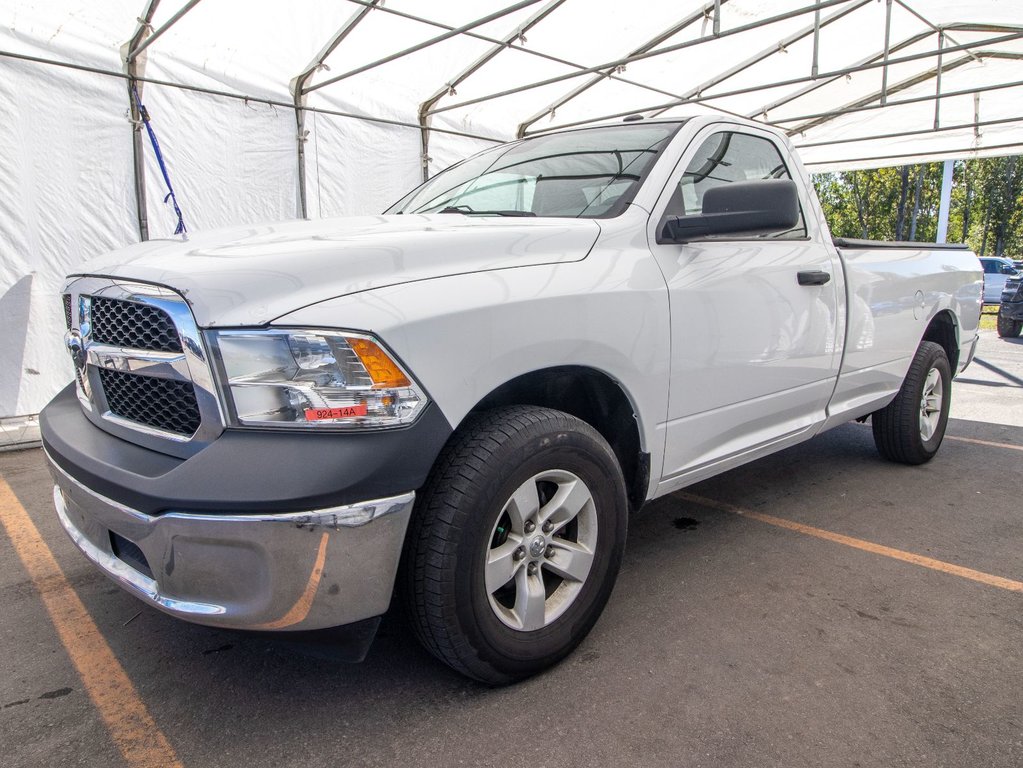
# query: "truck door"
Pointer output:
{"type": "Point", "coordinates": [755, 350]}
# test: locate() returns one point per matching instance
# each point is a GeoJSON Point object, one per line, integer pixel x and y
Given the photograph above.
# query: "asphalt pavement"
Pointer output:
{"type": "Point", "coordinates": [820, 607]}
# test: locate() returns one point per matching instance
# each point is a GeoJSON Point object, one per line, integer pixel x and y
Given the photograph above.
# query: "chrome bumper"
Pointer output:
{"type": "Point", "coordinates": [294, 571]}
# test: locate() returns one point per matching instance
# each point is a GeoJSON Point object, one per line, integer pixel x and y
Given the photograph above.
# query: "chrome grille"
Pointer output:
{"type": "Point", "coordinates": [132, 325]}
{"type": "Point", "coordinates": [159, 403]}
{"type": "Point", "coordinates": [141, 365]}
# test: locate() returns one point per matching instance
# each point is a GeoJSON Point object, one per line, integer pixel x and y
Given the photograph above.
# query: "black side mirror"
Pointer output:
{"type": "Point", "coordinates": [741, 207]}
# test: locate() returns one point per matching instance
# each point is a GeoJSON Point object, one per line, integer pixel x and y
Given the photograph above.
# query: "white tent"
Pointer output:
{"type": "Point", "coordinates": [274, 110]}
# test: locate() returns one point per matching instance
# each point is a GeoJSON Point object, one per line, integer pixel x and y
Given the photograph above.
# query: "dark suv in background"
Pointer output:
{"type": "Point", "coordinates": [1010, 312]}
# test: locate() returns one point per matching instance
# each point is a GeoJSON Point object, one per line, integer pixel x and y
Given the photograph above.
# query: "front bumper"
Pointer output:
{"type": "Point", "coordinates": [291, 571]}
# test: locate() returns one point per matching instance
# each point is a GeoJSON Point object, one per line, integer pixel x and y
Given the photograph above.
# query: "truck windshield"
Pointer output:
{"type": "Point", "coordinates": [590, 173]}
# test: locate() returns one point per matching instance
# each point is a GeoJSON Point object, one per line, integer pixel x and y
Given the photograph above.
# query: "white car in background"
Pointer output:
{"type": "Point", "coordinates": [996, 271]}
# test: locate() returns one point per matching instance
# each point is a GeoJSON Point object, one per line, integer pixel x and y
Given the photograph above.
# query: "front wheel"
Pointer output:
{"type": "Point", "coordinates": [1008, 329]}
{"type": "Point", "coordinates": [515, 543]}
{"type": "Point", "coordinates": [909, 430]}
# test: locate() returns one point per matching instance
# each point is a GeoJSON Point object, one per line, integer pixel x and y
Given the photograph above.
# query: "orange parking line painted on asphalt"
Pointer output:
{"type": "Point", "coordinates": [866, 546]}
{"type": "Point", "coordinates": [988, 443]}
{"type": "Point", "coordinates": [134, 732]}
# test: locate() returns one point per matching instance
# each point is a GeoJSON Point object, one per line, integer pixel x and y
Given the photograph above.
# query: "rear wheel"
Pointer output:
{"type": "Point", "coordinates": [1008, 328]}
{"type": "Point", "coordinates": [909, 430]}
{"type": "Point", "coordinates": [515, 544]}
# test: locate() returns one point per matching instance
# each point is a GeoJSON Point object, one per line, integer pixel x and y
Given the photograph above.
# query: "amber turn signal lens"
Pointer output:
{"type": "Point", "coordinates": [380, 367]}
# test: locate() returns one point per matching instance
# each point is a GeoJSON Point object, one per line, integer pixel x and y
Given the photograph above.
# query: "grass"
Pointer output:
{"type": "Point", "coordinates": [989, 317]}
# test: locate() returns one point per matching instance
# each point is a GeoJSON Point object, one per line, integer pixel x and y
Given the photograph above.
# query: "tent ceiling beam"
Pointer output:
{"type": "Point", "coordinates": [649, 45]}
{"type": "Point", "coordinates": [426, 43]}
{"type": "Point", "coordinates": [527, 51]}
{"type": "Point", "coordinates": [1010, 148]}
{"type": "Point", "coordinates": [491, 40]}
{"type": "Point", "coordinates": [797, 80]}
{"type": "Point", "coordinates": [298, 83]}
{"type": "Point", "coordinates": [869, 99]}
{"type": "Point", "coordinates": [646, 55]}
{"type": "Point", "coordinates": [764, 110]}
{"type": "Point", "coordinates": [298, 94]}
{"type": "Point", "coordinates": [772, 50]}
{"type": "Point", "coordinates": [975, 125]}
{"type": "Point", "coordinates": [906, 6]}
{"type": "Point", "coordinates": [909, 82]}
{"type": "Point", "coordinates": [903, 102]}
{"type": "Point", "coordinates": [469, 71]}
{"type": "Point", "coordinates": [136, 50]}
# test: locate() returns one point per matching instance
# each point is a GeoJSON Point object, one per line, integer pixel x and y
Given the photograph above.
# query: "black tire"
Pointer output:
{"type": "Point", "coordinates": [1009, 329]}
{"type": "Point", "coordinates": [899, 431]}
{"type": "Point", "coordinates": [456, 526]}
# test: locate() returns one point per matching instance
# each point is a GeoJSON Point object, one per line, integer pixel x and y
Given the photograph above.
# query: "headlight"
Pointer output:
{"type": "Point", "coordinates": [313, 378]}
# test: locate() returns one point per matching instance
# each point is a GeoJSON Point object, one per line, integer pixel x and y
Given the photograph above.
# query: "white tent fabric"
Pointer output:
{"type": "Point", "coordinates": [395, 88]}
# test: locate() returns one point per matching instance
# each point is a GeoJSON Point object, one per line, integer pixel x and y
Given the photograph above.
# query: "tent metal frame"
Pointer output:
{"type": "Point", "coordinates": [626, 60]}
{"type": "Point", "coordinates": [792, 81]}
{"type": "Point", "coordinates": [144, 36]}
{"type": "Point", "coordinates": [133, 68]}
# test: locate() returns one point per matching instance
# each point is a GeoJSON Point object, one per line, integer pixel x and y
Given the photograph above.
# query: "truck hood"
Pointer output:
{"type": "Point", "coordinates": [251, 275]}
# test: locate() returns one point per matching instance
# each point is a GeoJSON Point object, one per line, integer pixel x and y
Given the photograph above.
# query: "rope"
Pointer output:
{"type": "Point", "coordinates": [180, 229]}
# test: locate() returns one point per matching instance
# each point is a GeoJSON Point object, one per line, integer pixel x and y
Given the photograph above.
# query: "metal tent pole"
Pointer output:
{"type": "Point", "coordinates": [298, 94]}
{"type": "Point", "coordinates": [467, 72]}
{"type": "Point", "coordinates": [133, 69]}
{"type": "Point", "coordinates": [946, 199]}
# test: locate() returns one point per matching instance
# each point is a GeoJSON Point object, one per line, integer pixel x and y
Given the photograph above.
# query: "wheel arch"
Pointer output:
{"type": "Point", "coordinates": [591, 396]}
{"type": "Point", "coordinates": [943, 330]}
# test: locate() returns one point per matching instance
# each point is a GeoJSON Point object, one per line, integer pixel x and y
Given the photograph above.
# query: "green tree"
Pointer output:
{"type": "Point", "coordinates": [902, 203]}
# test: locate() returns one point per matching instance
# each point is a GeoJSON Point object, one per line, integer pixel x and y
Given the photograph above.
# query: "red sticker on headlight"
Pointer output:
{"type": "Point", "coordinates": [325, 414]}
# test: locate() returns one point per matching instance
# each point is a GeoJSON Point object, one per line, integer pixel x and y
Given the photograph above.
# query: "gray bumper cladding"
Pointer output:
{"type": "Point", "coordinates": [294, 571]}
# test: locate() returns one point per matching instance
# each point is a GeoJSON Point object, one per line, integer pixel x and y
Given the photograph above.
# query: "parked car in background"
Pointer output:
{"type": "Point", "coordinates": [1010, 313]}
{"type": "Point", "coordinates": [996, 271]}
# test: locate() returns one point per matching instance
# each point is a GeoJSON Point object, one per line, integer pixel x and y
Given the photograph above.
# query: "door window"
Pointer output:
{"type": "Point", "coordinates": [722, 159]}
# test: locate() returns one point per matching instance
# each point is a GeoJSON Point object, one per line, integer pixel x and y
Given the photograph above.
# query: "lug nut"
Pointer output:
{"type": "Point", "coordinates": [549, 553]}
{"type": "Point", "coordinates": [519, 553]}
{"type": "Point", "coordinates": [548, 527]}
{"type": "Point", "coordinates": [531, 568]}
{"type": "Point", "coordinates": [530, 526]}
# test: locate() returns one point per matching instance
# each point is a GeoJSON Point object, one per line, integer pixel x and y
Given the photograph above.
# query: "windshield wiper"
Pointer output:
{"type": "Point", "coordinates": [467, 210]}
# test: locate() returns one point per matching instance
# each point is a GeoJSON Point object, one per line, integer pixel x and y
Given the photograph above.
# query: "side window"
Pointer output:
{"type": "Point", "coordinates": [989, 267]}
{"type": "Point", "coordinates": [722, 159]}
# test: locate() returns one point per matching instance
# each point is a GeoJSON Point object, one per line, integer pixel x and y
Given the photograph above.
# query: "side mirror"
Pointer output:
{"type": "Point", "coordinates": [741, 207]}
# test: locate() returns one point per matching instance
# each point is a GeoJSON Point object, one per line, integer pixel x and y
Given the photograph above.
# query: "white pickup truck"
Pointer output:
{"type": "Point", "coordinates": [276, 427]}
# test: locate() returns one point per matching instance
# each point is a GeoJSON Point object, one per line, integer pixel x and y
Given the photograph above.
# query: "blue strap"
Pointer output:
{"type": "Point", "coordinates": [180, 229]}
